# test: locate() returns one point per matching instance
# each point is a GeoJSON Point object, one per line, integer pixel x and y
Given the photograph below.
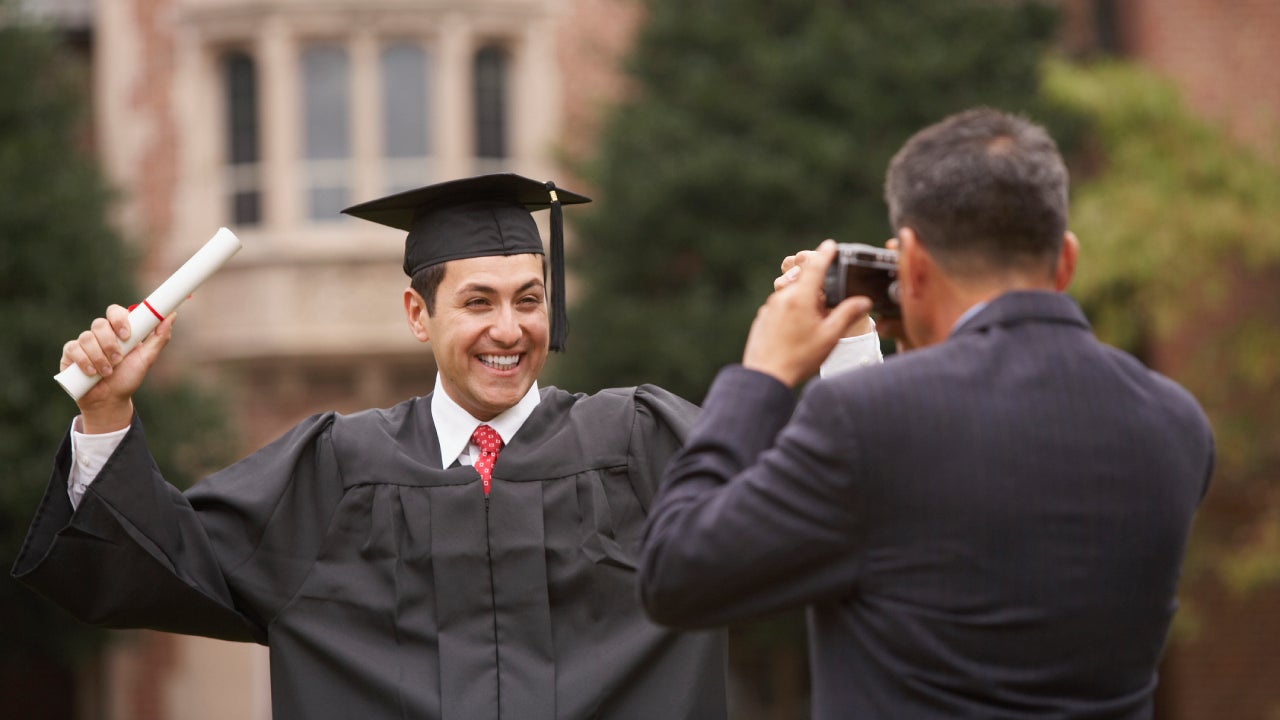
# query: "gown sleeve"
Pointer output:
{"type": "Point", "coordinates": [219, 560]}
{"type": "Point", "coordinates": [661, 423]}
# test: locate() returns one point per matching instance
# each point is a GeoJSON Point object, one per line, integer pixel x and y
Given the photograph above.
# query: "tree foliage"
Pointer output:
{"type": "Point", "coordinates": [757, 128]}
{"type": "Point", "coordinates": [1180, 258]}
{"type": "Point", "coordinates": [60, 266]}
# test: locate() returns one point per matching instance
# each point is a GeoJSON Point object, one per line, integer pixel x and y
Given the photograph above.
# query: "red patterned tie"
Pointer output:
{"type": "Point", "coordinates": [490, 443]}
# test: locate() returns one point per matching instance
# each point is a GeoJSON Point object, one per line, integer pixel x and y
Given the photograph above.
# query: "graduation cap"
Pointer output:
{"type": "Point", "coordinates": [477, 217]}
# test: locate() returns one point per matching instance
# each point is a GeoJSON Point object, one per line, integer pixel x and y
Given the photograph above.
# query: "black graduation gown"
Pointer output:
{"type": "Point", "coordinates": [387, 587]}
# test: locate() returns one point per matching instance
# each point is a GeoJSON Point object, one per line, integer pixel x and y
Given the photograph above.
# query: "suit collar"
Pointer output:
{"type": "Point", "coordinates": [1022, 306]}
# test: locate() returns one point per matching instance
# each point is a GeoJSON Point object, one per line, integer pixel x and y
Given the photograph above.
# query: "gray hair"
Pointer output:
{"type": "Point", "coordinates": [983, 190]}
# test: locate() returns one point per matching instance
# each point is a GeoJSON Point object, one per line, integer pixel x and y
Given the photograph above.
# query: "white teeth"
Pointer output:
{"type": "Point", "coordinates": [502, 362]}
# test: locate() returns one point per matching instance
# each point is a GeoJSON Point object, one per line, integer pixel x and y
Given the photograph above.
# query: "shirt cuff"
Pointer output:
{"type": "Point", "coordinates": [89, 453]}
{"type": "Point", "coordinates": [853, 352]}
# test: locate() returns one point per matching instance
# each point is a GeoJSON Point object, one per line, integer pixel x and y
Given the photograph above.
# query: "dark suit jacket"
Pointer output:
{"type": "Point", "coordinates": [991, 527]}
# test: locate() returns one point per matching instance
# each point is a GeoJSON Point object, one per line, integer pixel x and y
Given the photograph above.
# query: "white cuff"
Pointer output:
{"type": "Point", "coordinates": [88, 454]}
{"type": "Point", "coordinates": [853, 352]}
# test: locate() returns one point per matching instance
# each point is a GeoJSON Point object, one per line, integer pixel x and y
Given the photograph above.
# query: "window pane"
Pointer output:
{"type": "Point", "coordinates": [327, 202]}
{"type": "Point", "coordinates": [491, 102]}
{"type": "Point", "coordinates": [325, 91]}
{"type": "Point", "coordinates": [246, 207]}
{"type": "Point", "coordinates": [1107, 25]}
{"type": "Point", "coordinates": [243, 174]}
{"type": "Point", "coordinates": [406, 123]}
{"type": "Point", "coordinates": [404, 101]}
{"type": "Point", "coordinates": [242, 108]}
{"type": "Point", "coordinates": [326, 129]}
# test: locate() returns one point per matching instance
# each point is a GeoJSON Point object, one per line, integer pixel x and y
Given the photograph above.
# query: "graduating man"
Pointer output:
{"type": "Point", "coordinates": [990, 525]}
{"type": "Point", "coordinates": [470, 554]}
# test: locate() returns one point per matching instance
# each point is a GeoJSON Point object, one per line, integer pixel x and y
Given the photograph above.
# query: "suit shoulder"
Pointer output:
{"type": "Point", "coordinates": [1178, 401]}
{"type": "Point", "coordinates": [1172, 392]}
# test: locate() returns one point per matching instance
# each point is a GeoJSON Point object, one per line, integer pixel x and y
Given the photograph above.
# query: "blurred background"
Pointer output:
{"type": "Point", "coordinates": [715, 136]}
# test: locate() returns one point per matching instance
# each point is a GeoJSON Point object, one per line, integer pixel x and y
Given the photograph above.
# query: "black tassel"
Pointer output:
{"type": "Point", "coordinates": [559, 315]}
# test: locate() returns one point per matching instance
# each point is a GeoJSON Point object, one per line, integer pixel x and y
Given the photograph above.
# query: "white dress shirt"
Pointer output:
{"type": "Point", "coordinates": [454, 425]}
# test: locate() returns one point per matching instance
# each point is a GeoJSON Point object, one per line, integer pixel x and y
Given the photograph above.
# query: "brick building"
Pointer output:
{"type": "Point", "coordinates": [1225, 56]}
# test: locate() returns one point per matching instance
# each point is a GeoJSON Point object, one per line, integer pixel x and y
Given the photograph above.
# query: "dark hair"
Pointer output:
{"type": "Point", "coordinates": [983, 190]}
{"type": "Point", "coordinates": [427, 280]}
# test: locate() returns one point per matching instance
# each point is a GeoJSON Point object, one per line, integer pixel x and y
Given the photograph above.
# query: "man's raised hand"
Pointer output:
{"type": "Point", "coordinates": [793, 332]}
{"type": "Point", "coordinates": [108, 405]}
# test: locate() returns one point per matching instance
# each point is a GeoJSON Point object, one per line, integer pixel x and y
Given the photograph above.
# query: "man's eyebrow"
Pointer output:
{"type": "Point", "coordinates": [489, 290]}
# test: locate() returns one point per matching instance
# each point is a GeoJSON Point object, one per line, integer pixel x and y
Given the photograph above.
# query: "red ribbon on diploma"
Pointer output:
{"type": "Point", "coordinates": [159, 317]}
{"type": "Point", "coordinates": [153, 310]}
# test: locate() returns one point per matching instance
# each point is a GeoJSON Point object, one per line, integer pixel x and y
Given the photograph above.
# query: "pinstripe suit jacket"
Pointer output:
{"type": "Point", "coordinates": [991, 527]}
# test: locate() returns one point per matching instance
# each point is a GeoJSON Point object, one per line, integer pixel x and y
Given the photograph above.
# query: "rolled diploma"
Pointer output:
{"type": "Point", "coordinates": [165, 299]}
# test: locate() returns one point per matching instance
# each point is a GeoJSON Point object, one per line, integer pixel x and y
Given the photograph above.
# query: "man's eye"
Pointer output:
{"type": "Point", "coordinates": [477, 302]}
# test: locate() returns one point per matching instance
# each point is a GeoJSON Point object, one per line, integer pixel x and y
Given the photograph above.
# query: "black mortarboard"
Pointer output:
{"type": "Point", "coordinates": [477, 217]}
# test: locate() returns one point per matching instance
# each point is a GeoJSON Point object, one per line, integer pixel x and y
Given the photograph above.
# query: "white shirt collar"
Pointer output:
{"type": "Point", "coordinates": [455, 425]}
{"type": "Point", "coordinates": [967, 314]}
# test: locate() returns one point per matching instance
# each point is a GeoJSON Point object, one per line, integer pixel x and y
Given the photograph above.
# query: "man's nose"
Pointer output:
{"type": "Point", "coordinates": [506, 328]}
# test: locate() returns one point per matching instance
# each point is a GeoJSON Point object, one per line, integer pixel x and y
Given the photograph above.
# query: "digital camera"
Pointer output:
{"type": "Point", "coordinates": [859, 269]}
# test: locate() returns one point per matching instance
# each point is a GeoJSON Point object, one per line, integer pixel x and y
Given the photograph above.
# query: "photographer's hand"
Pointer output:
{"type": "Point", "coordinates": [793, 332]}
{"type": "Point", "coordinates": [892, 328]}
{"type": "Point", "coordinates": [793, 268]}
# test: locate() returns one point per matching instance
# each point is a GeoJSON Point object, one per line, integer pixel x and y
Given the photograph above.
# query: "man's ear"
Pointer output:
{"type": "Point", "coordinates": [415, 312]}
{"type": "Point", "coordinates": [915, 267]}
{"type": "Point", "coordinates": [1065, 268]}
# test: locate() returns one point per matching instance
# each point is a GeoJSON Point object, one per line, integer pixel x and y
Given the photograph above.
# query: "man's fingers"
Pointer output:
{"type": "Point", "coordinates": [154, 343]}
{"type": "Point", "coordinates": [118, 317]}
{"type": "Point", "coordinates": [793, 267]}
{"type": "Point", "coordinates": [786, 278]}
{"type": "Point", "coordinates": [108, 335]}
{"type": "Point", "coordinates": [73, 354]}
{"type": "Point", "coordinates": [804, 257]}
{"type": "Point", "coordinates": [816, 266]}
{"type": "Point", "coordinates": [98, 350]}
{"type": "Point", "coordinates": [100, 346]}
{"type": "Point", "coordinates": [846, 313]}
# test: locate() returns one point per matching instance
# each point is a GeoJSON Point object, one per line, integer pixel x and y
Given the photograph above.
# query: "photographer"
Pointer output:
{"type": "Point", "coordinates": [989, 525]}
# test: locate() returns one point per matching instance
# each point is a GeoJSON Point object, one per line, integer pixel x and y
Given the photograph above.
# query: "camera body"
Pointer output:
{"type": "Point", "coordinates": [859, 269]}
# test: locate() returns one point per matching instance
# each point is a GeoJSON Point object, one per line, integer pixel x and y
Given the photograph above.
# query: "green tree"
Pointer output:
{"type": "Point", "coordinates": [1180, 256]}
{"type": "Point", "coordinates": [61, 264]}
{"type": "Point", "coordinates": [757, 128]}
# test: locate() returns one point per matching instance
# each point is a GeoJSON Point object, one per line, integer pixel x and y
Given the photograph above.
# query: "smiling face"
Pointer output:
{"type": "Point", "coordinates": [488, 332]}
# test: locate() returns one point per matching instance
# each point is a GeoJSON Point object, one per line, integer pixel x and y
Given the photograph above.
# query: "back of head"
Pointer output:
{"type": "Point", "coordinates": [985, 192]}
